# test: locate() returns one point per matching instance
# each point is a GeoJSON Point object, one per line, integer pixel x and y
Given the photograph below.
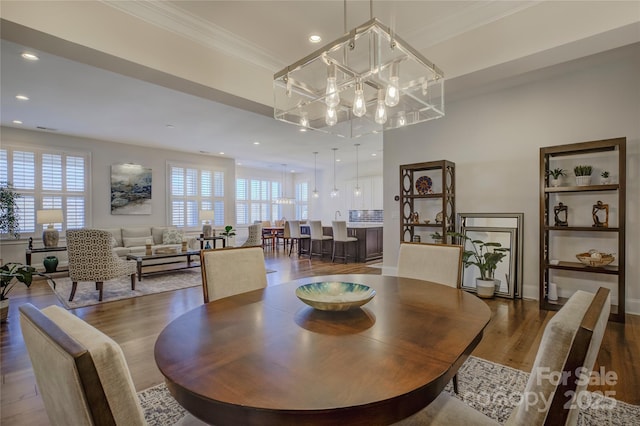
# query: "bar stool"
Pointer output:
{"type": "Point", "coordinates": [340, 235]}
{"type": "Point", "coordinates": [317, 235]}
{"type": "Point", "coordinates": [296, 236]}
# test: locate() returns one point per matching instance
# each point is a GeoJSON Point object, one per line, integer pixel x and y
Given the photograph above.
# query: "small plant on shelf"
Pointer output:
{"type": "Point", "coordinates": [583, 175]}
{"type": "Point", "coordinates": [582, 170]}
{"type": "Point", "coordinates": [556, 173]}
{"type": "Point", "coordinates": [604, 177]}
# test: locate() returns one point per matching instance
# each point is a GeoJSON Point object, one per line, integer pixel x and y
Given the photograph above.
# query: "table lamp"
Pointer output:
{"type": "Point", "coordinates": [50, 235]}
{"type": "Point", "coordinates": [206, 216]}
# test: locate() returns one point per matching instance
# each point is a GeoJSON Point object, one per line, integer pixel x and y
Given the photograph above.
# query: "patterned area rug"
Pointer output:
{"type": "Point", "coordinates": [490, 388]}
{"type": "Point", "coordinates": [120, 288]}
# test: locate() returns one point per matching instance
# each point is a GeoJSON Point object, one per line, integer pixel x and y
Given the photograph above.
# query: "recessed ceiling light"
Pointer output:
{"type": "Point", "coordinates": [204, 152]}
{"type": "Point", "coordinates": [221, 153]}
{"type": "Point", "coordinates": [374, 154]}
{"type": "Point", "coordinates": [338, 160]}
{"type": "Point", "coordinates": [303, 129]}
{"type": "Point", "coordinates": [29, 56]}
{"type": "Point", "coordinates": [256, 143]}
{"type": "Point", "coordinates": [315, 38]}
{"type": "Point", "coordinates": [170, 126]}
{"type": "Point", "coordinates": [22, 97]}
{"type": "Point", "coordinates": [17, 122]}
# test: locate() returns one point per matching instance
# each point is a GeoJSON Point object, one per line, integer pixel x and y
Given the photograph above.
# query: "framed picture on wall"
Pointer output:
{"type": "Point", "coordinates": [130, 189]}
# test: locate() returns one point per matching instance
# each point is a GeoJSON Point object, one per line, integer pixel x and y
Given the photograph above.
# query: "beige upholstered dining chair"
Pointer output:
{"type": "Point", "coordinates": [91, 259]}
{"type": "Point", "coordinates": [296, 237]}
{"type": "Point", "coordinates": [232, 270]}
{"type": "Point", "coordinates": [317, 237]}
{"type": "Point", "coordinates": [439, 263]}
{"type": "Point", "coordinates": [255, 236]}
{"type": "Point", "coordinates": [81, 373]}
{"type": "Point", "coordinates": [570, 343]}
{"type": "Point", "coordinates": [341, 236]}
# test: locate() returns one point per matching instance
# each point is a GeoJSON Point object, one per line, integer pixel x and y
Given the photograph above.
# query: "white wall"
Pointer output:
{"type": "Point", "coordinates": [103, 155]}
{"type": "Point", "coordinates": [494, 139]}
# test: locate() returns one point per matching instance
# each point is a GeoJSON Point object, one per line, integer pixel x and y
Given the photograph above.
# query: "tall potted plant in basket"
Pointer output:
{"type": "Point", "coordinates": [486, 256]}
{"type": "Point", "coordinates": [10, 275]}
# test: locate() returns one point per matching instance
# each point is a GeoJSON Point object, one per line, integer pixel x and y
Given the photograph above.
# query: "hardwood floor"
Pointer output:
{"type": "Point", "coordinates": [511, 338]}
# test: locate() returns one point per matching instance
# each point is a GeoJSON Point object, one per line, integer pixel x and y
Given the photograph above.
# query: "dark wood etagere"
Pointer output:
{"type": "Point", "coordinates": [410, 198]}
{"type": "Point", "coordinates": [618, 147]}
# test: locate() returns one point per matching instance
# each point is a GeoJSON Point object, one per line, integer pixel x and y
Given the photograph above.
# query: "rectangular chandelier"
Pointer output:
{"type": "Point", "coordinates": [365, 82]}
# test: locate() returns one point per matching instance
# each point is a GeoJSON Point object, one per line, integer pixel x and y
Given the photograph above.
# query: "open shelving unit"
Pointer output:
{"type": "Point", "coordinates": [412, 201]}
{"type": "Point", "coordinates": [617, 147]}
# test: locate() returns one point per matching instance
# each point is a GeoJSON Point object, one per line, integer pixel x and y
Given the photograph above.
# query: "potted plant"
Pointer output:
{"type": "Point", "coordinates": [10, 275]}
{"type": "Point", "coordinates": [486, 257]}
{"type": "Point", "coordinates": [9, 217]}
{"type": "Point", "coordinates": [583, 175]}
{"type": "Point", "coordinates": [555, 176]}
{"type": "Point", "coordinates": [604, 177]}
{"type": "Point", "coordinates": [228, 232]}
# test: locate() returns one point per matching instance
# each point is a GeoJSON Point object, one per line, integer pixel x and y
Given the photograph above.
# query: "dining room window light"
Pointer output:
{"type": "Point", "coordinates": [192, 189]}
{"type": "Point", "coordinates": [47, 179]}
{"type": "Point", "coordinates": [302, 200]}
{"type": "Point", "coordinates": [254, 200]}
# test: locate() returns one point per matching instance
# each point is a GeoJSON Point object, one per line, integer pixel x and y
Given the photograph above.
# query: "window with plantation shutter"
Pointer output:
{"type": "Point", "coordinates": [302, 201]}
{"type": "Point", "coordinates": [255, 200]}
{"type": "Point", "coordinates": [192, 189]}
{"type": "Point", "coordinates": [47, 179]}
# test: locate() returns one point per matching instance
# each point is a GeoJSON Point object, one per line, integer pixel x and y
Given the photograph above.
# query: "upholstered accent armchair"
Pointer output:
{"type": "Point", "coordinates": [255, 236]}
{"type": "Point", "coordinates": [91, 259]}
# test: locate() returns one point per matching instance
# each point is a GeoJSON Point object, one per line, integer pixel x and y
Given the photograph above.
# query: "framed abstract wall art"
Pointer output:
{"type": "Point", "coordinates": [130, 189]}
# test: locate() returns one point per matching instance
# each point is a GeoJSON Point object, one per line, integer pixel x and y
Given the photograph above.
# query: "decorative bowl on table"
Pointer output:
{"type": "Point", "coordinates": [335, 295]}
{"type": "Point", "coordinates": [595, 259]}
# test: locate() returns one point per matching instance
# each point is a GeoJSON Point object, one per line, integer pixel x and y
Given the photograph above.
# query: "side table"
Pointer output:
{"type": "Point", "coordinates": [202, 239]}
{"type": "Point", "coordinates": [31, 250]}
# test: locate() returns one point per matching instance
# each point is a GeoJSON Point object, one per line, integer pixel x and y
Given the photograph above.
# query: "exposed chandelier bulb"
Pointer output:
{"type": "Point", "coordinates": [359, 105]}
{"type": "Point", "coordinates": [332, 98]}
{"type": "Point", "coordinates": [304, 121]}
{"type": "Point", "coordinates": [331, 117]}
{"type": "Point", "coordinates": [335, 193]}
{"type": "Point", "coordinates": [381, 110]}
{"type": "Point", "coordinates": [425, 87]}
{"type": "Point", "coordinates": [316, 194]}
{"type": "Point", "coordinates": [357, 191]}
{"type": "Point", "coordinates": [393, 92]}
{"type": "Point", "coordinates": [402, 118]}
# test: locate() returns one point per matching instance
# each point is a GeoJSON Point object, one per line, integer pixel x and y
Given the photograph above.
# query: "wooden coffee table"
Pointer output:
{"type": "Point", "coordinates": [170, 257]}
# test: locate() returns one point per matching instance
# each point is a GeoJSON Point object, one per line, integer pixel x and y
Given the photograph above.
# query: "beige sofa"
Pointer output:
{"type": "Point", "coordinates": [132, 240]}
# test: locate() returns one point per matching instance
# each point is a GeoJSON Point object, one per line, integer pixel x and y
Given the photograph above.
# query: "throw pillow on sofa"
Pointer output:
{"type": "Point", "coordinates": [172, 236]}
{"type": "Point", "coordinates": [136, 241]}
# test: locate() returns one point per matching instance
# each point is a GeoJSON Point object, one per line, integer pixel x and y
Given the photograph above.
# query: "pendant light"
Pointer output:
{"type": "Point", "coordinates": [283, 199]}
{"type": "Point", "coordinates": [357, 191]}
{"type": "Point", "coordinates": [335, 192]}
{"type": "Point", "coordinates": [316, 194]}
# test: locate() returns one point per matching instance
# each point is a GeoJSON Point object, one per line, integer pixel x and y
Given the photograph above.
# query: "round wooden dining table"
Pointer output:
{"type": "Point", "coordinates": [266, 358]}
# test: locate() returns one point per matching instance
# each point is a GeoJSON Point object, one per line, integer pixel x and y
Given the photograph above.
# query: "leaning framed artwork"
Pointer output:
{"type": "Point", "coordinates": [130, 189]}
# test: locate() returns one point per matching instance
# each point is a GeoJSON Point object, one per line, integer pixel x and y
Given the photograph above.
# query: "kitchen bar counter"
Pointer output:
{"type": "Point", "coordinates": [369, 237]}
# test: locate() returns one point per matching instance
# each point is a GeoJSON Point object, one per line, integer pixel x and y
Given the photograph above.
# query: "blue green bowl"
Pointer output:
{"type": "Point", "coordinates": [335, 295]}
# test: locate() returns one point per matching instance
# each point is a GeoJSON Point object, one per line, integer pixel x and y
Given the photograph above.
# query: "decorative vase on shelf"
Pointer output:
{"type": "Point", "coordinates": [50, 263]}
{"type": "Point", "coordinates": [583, 180]}
{"type": "Point", "coordinates": [554, 182]}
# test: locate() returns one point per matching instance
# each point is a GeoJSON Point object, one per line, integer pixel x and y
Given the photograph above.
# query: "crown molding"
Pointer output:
{"type": "Point", "coordinates": [476, 15]}
{"type": "Point", "coordinates": [171, 18]}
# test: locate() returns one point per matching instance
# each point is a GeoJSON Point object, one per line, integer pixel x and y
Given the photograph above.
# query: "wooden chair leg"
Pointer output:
{"type": "Point", "coordinates": [133, 281]}
{"type": "Point", "coordinates": [455, 384]}
{"type": "Point", "coordinates": [74, 287]}
{"type": "Point", "coordinates": [99, 288]}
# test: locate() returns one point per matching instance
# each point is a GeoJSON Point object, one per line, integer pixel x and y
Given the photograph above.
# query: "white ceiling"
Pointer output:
{"type": "Point", "coordinates": [476, 44]}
